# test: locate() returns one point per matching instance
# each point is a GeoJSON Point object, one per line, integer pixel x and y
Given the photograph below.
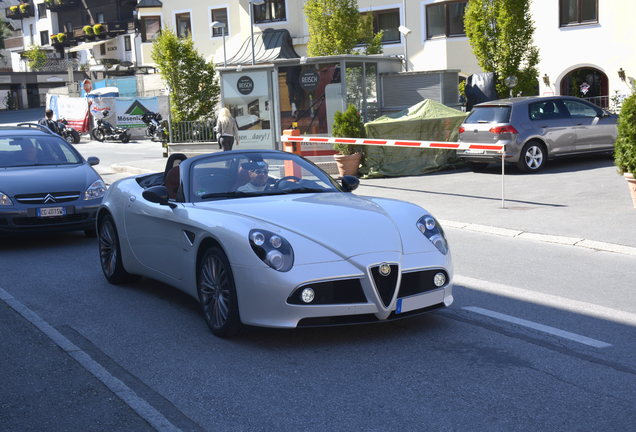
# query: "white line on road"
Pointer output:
{"type": "Point", "coordinates": [557, 302]}
{"type": "Point", "coordinates": [125, 393]}
{"type": "Point", "coordinates": [540, 327]}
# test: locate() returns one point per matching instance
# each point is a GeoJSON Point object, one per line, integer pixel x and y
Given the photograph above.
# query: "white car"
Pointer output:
{"type": "Point", "coordinates": [267, 238]}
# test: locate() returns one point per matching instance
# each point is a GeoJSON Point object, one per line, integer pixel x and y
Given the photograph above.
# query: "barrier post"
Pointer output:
{"type": "Point", "coordinates": [503, 199]}
{"type": "Point", "coordinates": [291, 169]}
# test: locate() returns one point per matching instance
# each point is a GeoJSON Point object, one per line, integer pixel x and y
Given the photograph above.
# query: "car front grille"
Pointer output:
{"type": "Point", "coordinates": [47, 198]}
{"type": "Point", "coordinates": [331, 292]}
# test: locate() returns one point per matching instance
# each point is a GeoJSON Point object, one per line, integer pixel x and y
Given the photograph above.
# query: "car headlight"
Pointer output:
{"type": "Point", "coordinates": [5, 200]}
{"type": "Point", "coordinates": [434, 232]}
{"type": "Point", "coordinates": [272, 249]}
{"type": "Point", "coordinates": [96, 190]}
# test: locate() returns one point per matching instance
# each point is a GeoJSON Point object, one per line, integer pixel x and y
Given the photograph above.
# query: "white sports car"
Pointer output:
{"type": "Point", "coordinates": [267, 238]}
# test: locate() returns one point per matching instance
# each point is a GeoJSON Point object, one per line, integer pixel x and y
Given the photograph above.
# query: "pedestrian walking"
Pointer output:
{"type": "Point", "coordinates": [227, 130]}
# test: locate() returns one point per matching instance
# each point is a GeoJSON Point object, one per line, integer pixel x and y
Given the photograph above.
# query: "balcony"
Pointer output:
{"type": "Point", "coordinates": [14, 43]}
{"type": "Point", "coordinates": [58, 5]}
{"type": "Point", "coordinates": [101, 30]}
{"type": "Point", "coordinates": [23, 10]}
{"type": "Point", "coordinates": [60, 40]}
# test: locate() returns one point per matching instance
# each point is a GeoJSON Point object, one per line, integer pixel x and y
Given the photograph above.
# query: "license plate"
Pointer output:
{"type": "Point", "coordinates": [51, 211]}
{"type": "Point", "coordinates": [420, 301]}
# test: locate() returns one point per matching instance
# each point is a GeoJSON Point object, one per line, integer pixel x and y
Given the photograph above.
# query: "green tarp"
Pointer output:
{"type": "Point", "coordinates": [426, 121]}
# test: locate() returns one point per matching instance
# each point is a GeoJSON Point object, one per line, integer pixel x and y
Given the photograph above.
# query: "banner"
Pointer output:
{"type": "Point", "coordinates": [130, 110]}
{"type": "Point", "coordinates": [74, 110]}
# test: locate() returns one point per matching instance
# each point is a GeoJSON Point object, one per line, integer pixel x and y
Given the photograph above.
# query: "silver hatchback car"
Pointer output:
{"type": "Point", "coordinates": [535, 129]}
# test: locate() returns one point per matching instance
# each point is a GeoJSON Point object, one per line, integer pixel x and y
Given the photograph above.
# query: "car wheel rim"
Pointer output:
{"type": "Point", "coordinates": [108, 247]}
{"type": "Point", "coordinates": [215, 291]}
{"type": "Point", "coordinates": [534, 157]}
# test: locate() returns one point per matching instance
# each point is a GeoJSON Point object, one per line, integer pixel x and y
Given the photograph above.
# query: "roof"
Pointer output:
{"type": "Point", "coordinates": [269, 45]}
{"type": "Point", "coordinates": [27, 129]}
{"type": "Point", "coordinates": [149, 3]}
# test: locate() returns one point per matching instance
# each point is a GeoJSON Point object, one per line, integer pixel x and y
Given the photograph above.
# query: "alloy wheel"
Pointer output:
{"type": "Point", "coordinates": [214, 291]}
{"type": "Point", "coordinates": [533, 157]}
{"type": "Point", "coordinates": [108, 247]}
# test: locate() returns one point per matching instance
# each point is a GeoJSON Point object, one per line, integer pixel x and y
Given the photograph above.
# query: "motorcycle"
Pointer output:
{"type": "Point", "coordinates": [106, 131]}
{"type": "Point", "coordinates": [154, 127]}
{"type": "Point", "coordinates": [67, 132]}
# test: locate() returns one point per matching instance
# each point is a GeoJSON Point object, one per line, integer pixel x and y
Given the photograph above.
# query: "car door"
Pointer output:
{"type": "Point", "coordinates": [156, 234]}
{"type": "Point", "coordinates": [594, 131]}
{"type": "Point", "coordinates": [552, 122]}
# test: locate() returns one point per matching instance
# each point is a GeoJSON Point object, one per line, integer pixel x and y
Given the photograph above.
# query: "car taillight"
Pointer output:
{"type": "Point", "coordinates": [461, 129]}
{"type": "Point", "coordinates": [503, 129]}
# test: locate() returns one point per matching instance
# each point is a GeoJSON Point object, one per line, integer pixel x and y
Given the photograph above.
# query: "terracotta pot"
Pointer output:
{"type": "Point", "coordinates": [631, 183]}
{"type": "Point", "coordinates": [348, 164]}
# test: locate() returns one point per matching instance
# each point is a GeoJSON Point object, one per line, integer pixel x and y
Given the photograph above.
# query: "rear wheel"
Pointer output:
{"type": "Point", "coordinates": [110, 252]}
{"type": "Point", "coordinates": [532, 157]}
{"type": "Point", "coordinates": [125, 137]}
{"type": "Point", "coordinates": [217, 293]}
{"type": "Point", "coordinates": [76, 136]}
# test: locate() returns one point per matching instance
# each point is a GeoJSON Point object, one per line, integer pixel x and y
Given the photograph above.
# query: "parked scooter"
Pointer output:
{"type": "Point", "coordinates": [68, 133]}
{"type": "Point", "coordinates": [154, 128]}
{"type": "Point", "coordinates": [106, 131]}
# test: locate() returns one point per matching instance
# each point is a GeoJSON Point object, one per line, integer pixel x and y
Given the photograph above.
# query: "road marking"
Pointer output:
{"type": "Point", "coordinates": [540, 327]}
{"type": "Point", "coordinates": [557, 302]}
{"type": "Point", "coordinates": [125, 393]}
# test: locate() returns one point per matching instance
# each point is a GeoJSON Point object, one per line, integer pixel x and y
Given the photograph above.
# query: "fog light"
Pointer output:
{"type": "Point", "coordinates": [307, 295]}
{"type": "Point", "coordinates": [439, 279]}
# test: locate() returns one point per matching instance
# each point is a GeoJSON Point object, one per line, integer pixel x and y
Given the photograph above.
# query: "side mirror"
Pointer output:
{"type": "Point", "coordinates": [349, 183]}
{"type": "Point", "coordinates": [92, 161]}
{"type": "Point", "coordinates": [158, 195]}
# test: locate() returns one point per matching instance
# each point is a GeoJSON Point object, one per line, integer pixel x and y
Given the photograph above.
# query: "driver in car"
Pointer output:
{"type": "Point", "coordinates": [258, 176]}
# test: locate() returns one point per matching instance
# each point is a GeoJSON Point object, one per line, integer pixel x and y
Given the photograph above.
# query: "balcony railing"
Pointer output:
{"type": "Point", "coordinates": [14, 43]}
{"type": "Point", "coordinates": [101, 30]}
{"type": "Point", "coordinates": [58, 5]}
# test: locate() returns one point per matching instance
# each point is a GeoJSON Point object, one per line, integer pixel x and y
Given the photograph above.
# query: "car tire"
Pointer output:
{"type": "Point", "coordinates": [217, 293]}
{"type": "Point", "coordinates": [478, 166]}
{"type": "Point", "coordinates": [69, 138]}
{"type": "Point", "coordinates": [532, 157]}
{"type": "Point", "coordinates": [110, 252]}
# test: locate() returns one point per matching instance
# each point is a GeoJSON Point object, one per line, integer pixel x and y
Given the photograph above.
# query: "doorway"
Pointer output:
{"type": "Point", "coordinates": [587, 83]}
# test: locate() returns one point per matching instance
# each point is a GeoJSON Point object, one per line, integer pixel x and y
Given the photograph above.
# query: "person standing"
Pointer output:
{"type": "Point", "coordinates": [49, 122]}
{"type": "Point", "coordinates": [227, 130]}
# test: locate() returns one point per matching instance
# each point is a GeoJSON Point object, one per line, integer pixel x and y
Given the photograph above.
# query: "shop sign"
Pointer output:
{"type": "Point", "coordinates": [245, 85]}
{"type": "Point", "coordinates": [309, 80]}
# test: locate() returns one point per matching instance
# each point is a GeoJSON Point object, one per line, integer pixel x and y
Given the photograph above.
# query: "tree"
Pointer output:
{"type": "Point", "coordinates": [330, 23]}
{"type": "Point", "coordinates": [500, 33]}
{"type": "Point", "coordinates": [194, 88]}
{"type": "Point", "coordinates": [36, 57]}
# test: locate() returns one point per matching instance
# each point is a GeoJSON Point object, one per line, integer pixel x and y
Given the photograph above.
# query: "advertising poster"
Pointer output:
{"type": "Point", "coordinates": [246, 95]}
{"type": "Point", "coordinates": [74, 110]}
{"type": "Point", "coordinates": [130, 110]}
{"type": "Point", "coordinates": [103, 105]}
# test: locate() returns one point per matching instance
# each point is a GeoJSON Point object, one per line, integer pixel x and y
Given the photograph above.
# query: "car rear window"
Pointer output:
{"type": "Point", "coordinates": [489, 114]}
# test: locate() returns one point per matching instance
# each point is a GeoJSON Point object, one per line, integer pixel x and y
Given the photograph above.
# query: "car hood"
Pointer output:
{"type": "Point", "coordinates": [344, 222]}
{"type": "Point", "coordinates": [50, 178]}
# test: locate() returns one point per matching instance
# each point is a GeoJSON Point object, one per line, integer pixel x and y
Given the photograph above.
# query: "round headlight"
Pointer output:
{"type": "Point", "coordinates": [275, 259]}
{"type": "Point", "coordinates": [276, 241]}
{"type": "Point", "coordinates": [439, 279]}
{"type": "Point", "coordinates": [307, 295]}
{"type": "Point", "coordinates": [430, 223]}
{"type": "Point", "coordinates": [258, 238]}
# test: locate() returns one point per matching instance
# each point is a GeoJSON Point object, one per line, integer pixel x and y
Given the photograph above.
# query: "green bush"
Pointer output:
{"type": "Point", "coordinates": [625, 147]}
{"type": "Point", "coordinates": [348, 124]}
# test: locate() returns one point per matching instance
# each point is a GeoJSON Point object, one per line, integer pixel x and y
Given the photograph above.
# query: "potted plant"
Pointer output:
{"type": "Point", "coordinates": [625, 147]}
{"type": "Point", "coordinates": [24, 7]}
{"type": "Point", "coordinates": [14, 9]}
{"type": "Point", "coordinates": [98, 29]}
{"type": "Point", "coordinates": [348, 124]}
{"type": "Point", "coordinates": [61, 37]}
{"type": "Point", "coordinates": [88, 30]}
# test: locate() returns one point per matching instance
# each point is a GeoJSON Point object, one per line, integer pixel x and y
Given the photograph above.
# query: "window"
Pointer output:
{"type": "Point", "coordinates": [219, 15]}
{"type": "Point", "coordinates": [445, 19]}
{"type": "Point", "coordinates": [388, 22]}
{"type": "Point", "coordinates": [272, 10]}
{"type": "Point", "coordinates": [100, 17]}
{"type": "Point", "coordinates": [102, 49]}
{"type": "Point", "coordinates": [150, 28]}
{"type": "Point", "coordinates": [548, 110]}
{"type": "Point", "coordinates": [184, 28]}
{"type": "Point", "coordinates": [127, 46]}
{"type": "Point", "coordinates": [579, 109]}
{"type": "Point", "coordinates": [41, 10]}
{"type": "Point", "coordinates": [44, 37]}
{"type": "Point", "coordinates": [573, 12]}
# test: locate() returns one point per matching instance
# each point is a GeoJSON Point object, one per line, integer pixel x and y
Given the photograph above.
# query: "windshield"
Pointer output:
{"type": "Point", "coordinates": [238, 175]}
{"type": "Point", "coordinates": [489, 114]}
{"type": "Point", "coordinates": [36, 151]}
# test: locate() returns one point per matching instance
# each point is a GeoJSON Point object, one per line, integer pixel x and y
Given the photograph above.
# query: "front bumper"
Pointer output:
{"type": "Point", "coordinates": [264, 294]}
{"type": "Point", "coordinates": [79, 215]}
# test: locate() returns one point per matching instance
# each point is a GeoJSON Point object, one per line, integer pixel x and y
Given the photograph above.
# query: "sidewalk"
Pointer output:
{"type": "Point", "coordinates": [578, 202]}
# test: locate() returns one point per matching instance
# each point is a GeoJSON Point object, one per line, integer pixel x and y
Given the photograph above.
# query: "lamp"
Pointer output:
{"type": "Point", "coordinates": [511, 82]}
{"type": "Point", "coordinates": [405, 31]}
{"type": "Point", "coordinates": [218, 24]}
{"type": "Point", "coordinates": [253, 3]}
{"type": "Point", "coordinates": [621, 74]}
{"type": "Point", "coordinates": [546, 79]}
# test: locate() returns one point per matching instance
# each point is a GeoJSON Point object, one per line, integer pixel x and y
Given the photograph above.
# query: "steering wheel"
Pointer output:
{"type": "Point", "coordinates": [286, 178]}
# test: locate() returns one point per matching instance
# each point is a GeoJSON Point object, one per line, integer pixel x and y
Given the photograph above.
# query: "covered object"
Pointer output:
{"type": "Point", "coordinates": [425, 121]}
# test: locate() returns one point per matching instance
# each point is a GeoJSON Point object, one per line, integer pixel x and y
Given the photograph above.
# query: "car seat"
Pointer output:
{"type": "Point", "coordinates": [171, 174]}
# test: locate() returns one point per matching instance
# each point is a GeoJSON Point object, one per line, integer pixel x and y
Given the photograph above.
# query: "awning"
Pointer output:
{"type": "Point", "coordinates": [88, 45]}
{"type": "Point", "coordinates": [268, 46]}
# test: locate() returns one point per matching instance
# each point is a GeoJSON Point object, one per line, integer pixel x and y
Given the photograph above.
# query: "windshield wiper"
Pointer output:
{"type": "Point", "coordinates": [305, 190]}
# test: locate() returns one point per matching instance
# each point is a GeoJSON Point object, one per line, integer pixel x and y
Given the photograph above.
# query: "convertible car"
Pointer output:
{"type": "Point", "coordinates": [267, 238]}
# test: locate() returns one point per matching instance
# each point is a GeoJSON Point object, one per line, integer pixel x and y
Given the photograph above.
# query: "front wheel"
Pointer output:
{"type": "Point", "coordinates": [532, 157]}
{"type": "Point", "coordinates": [98, 135]}
{"type": "Point", "coordinates": [125, 137]}
{"type": "Point", "coordinates": [217, 293]}
{"type": "Point", "coordinates": [68, 137]}
{"type": "Point", "coordinates": [110, 252]}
